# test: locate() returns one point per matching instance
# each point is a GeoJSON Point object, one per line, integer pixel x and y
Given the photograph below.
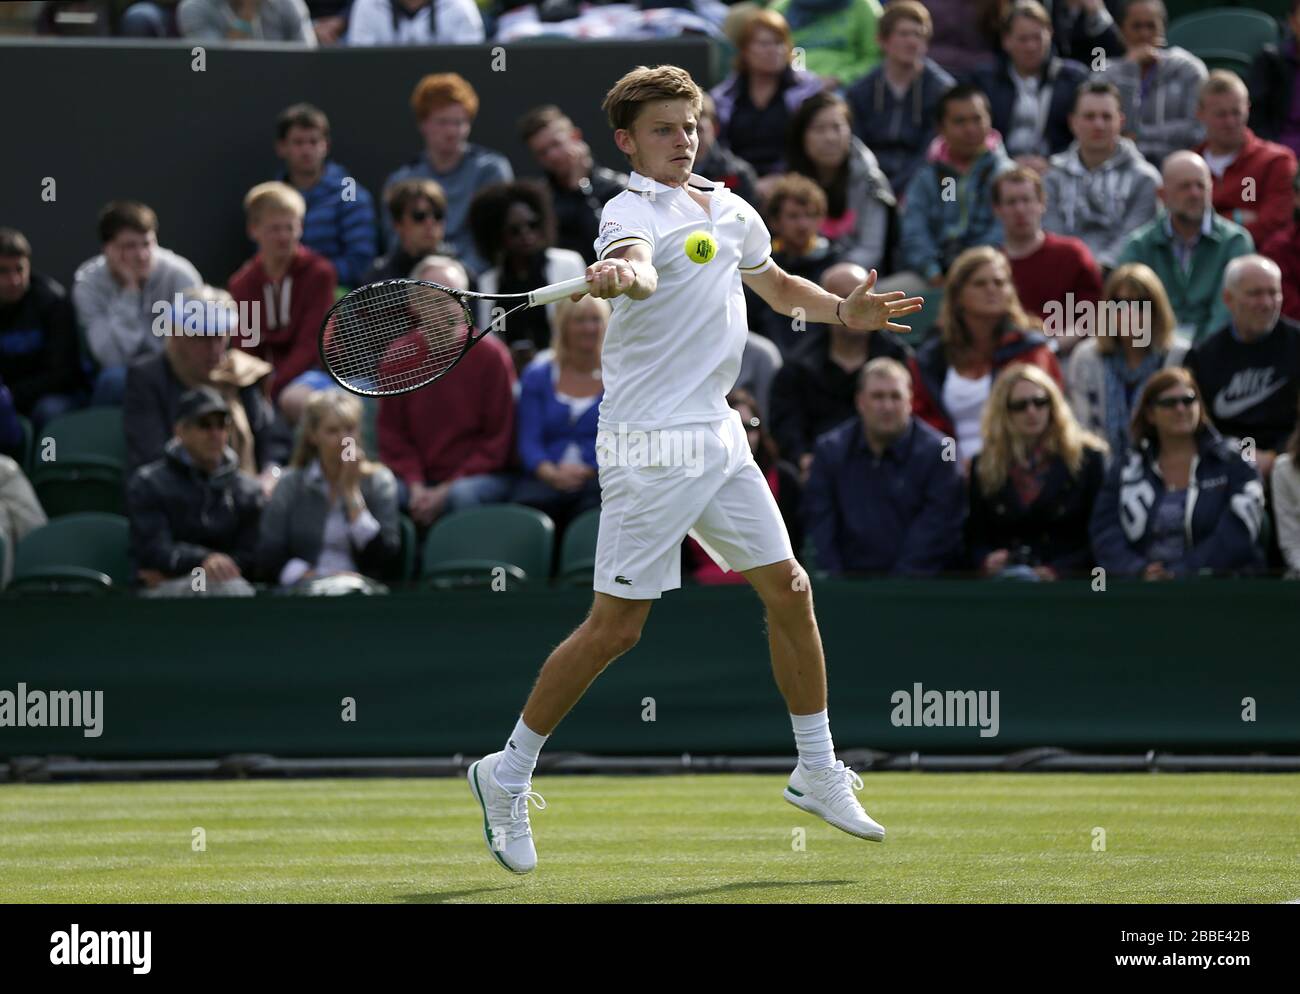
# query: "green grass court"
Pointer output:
{"type": "Point", "coordinates": [673, 839]}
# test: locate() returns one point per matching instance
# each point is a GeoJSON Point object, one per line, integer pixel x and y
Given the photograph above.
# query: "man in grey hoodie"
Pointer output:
{"type": "Point", "coordinates": [1159, 86]}
{"type": "Point", "coordinates": [1100, 188]}
{"type": "Point", "coordinates": [246, 20]}
{"type": "Point", "coordinates": [120, 292]}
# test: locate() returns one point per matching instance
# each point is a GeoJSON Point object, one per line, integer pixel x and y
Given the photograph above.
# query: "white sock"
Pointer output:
{"type": "Point", "coordinates": [515, 770]}
{"type": "Point", "coordinates": [812, 736]}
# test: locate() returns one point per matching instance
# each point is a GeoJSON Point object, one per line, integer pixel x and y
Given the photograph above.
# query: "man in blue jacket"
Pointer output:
{"type": "Point", "coordinates": [340, 220]}
{"type": "Point", "coordinates": [882, 497]}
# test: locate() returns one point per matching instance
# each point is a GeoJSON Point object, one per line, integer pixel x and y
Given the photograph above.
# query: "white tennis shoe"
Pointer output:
{"type": "Point", "coordinates": [828, 794]}
{"type": "Point", "coordinates": [505, 816]}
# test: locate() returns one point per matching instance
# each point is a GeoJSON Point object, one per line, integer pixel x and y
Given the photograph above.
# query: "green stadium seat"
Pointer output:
{"type": "Point", "coordinates": [1222, 58]}
{"type": "Point", "coordinates": [1237, 30]}
{"type": "Point", "coordinates": [463, 548]}
{"type": "Point", "coordinates": [1178, 9]}
{"type": "Point", "coordinates": [88, 470]}
{"type": "Point", "coordinates": [24, 454]}
{"type": "Point", "coordinates": [1279, 9]}
{"type": "Point", "coordinates": [578, 549]}
{"type": "Point", "coordinates": [77, 553]}
{"type": "Point", "coordinates": [410, 548]}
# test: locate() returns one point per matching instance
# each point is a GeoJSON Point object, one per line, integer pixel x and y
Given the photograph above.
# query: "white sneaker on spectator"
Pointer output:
{"type": "Point", "coordinates": [828, 794]}
{"type": "Point", "coordinates": [505, 816]}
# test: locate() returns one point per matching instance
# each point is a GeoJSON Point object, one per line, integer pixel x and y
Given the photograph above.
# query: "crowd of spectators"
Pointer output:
{"type": "Point", "coordinates": [1108, 244]}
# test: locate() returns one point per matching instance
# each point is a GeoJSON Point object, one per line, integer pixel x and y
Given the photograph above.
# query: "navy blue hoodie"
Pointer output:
{"type": "Point", "coordinates": [1225, 509]}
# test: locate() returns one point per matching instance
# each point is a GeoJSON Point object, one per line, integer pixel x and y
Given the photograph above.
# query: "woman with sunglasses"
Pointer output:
{"type": "Point", "coordinates": [1182, 501]}
{"type": "Point", "coordinates": [514, 230]}
{"type": "Point", "coordinates": [1033, 483]}
{"type": "Point", "coordinates": [1132, 339]}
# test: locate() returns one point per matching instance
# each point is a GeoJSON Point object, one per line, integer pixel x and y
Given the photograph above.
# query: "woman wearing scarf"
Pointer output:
{"type": "Point", "coordinates": [1131, 341]}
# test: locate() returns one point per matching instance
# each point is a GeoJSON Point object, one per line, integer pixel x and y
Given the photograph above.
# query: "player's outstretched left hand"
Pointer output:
{"type": "Point", "coordinates": [867, 311]}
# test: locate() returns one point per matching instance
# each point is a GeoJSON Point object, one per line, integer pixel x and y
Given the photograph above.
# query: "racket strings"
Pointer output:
{"type": "Point", "coordinates": [390, 338]}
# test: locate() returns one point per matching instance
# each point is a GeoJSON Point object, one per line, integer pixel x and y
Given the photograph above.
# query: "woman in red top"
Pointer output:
{"type": "Point", "coordinates": [982, 328]}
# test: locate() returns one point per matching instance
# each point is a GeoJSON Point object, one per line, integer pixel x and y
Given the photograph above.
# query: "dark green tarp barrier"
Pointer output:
{"type": "Point", "coordinates": [1140, 666]}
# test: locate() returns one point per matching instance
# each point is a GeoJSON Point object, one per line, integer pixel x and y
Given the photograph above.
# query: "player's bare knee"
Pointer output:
{"type": "Point", "coordinates": [793, 600]}
{"type": "Point", "coordinates": [613, 636]}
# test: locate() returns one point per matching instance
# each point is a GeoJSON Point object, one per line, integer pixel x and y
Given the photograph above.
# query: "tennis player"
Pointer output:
{"type": "Point", "coordinates": [672, 352]}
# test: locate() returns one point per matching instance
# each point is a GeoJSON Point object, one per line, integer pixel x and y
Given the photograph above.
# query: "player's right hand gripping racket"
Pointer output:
{"type": "Point", "coordinates": [399, 335]}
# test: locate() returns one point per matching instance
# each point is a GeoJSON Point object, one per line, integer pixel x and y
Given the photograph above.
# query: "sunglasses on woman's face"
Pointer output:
{"type": "Point", "coordinates": [524, 226]}
{"type": "Point", "coordinates": [1016, 406]}
{"type": "Point", "coordinates": [1186, 400]}
{"type": "Point", "coordinates": [419, 217]}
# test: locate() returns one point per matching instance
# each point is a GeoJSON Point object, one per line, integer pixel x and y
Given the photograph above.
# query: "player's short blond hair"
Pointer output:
{"type": "Point", "coordinates": [643, 84]}
{"type": "Point", "coordinates": [273, 196]}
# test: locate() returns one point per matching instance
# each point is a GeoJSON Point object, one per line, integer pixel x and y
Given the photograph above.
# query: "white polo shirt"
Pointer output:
{"type": "Point", "coordinates": [672, 358]}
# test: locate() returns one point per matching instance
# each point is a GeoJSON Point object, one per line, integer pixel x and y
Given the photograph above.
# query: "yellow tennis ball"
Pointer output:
{"type": "Point", "coordinates": [701, 247]}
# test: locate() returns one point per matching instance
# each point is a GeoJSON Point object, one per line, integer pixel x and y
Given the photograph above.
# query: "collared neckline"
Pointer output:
{"type": "Point", "coordinates": [896, 450]}
{"type": "Point", "coordinates": [640, 184]}
{"type": "Point", "coordinates": [1207, 224]}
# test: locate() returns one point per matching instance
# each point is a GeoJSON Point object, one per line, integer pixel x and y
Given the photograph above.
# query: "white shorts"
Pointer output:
{"type": "Point", "coordinates": [701, 480]}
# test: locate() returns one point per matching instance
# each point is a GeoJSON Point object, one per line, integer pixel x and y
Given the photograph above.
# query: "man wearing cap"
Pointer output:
{"type": "Point", "coordinates": [194, 514]}
{"type": "Point", "coordinates": [195, 354]}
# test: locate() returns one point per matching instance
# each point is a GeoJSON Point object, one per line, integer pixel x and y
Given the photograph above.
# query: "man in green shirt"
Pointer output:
{"type": "Point", "coordinates": [1189, 246]}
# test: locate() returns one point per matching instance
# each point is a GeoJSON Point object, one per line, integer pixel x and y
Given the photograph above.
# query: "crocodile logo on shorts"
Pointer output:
{"type": "Point", "coordinates": [623, 580]}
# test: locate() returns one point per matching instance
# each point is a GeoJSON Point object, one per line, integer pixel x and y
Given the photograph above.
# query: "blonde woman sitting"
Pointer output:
{"type": "Point", "coordinates": [1033, 483]}
{"type": "Point", "coordinates": [334, 511]}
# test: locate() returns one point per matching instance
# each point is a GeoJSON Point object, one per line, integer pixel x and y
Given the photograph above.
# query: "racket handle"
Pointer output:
{"type": "Point", "coordinates": [557, 291]}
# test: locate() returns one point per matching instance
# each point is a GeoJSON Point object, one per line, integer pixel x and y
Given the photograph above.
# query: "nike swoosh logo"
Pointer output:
{"type": "Point", "coordinates": [1230, 407]}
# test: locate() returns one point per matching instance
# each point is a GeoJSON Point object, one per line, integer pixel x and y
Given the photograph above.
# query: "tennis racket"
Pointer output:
{"type": "Point", "coordinates": [396, 336]}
